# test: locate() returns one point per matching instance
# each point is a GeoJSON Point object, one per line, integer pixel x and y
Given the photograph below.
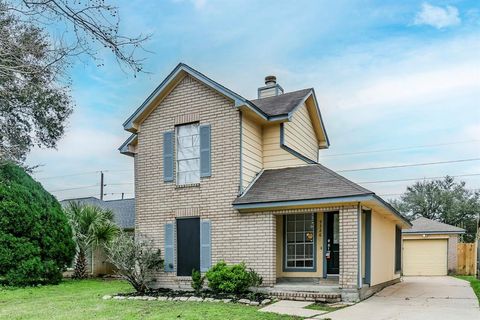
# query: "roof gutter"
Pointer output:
{"type": "Point", "coordinates": [291, 203]}
{"type": "Point", "coordinates": [408, 232]}
{"type": "Point", "coordinates": [346, 199]}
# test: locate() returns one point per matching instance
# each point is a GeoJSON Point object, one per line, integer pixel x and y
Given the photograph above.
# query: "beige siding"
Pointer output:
{"type": "Point", "coordinates": [383, 249]}
{"type": "Point", "coordinates": [300, 135]}
{"type": "Point", "coordinates": [252, 150]}
{"type": "Point", "coordinates": [273, 155]}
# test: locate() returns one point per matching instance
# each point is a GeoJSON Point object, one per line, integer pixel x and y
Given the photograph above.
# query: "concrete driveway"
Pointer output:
{"type": "Point", "coordinates": [422, 298]}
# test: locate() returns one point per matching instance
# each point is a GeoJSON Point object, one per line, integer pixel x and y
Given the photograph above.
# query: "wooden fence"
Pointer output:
{"type": "Point", "coordinates": [466, 259]}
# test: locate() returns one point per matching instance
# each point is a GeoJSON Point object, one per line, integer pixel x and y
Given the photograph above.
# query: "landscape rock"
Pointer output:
{"type": "Point", "coordinates": [119, 297]}
{"type": "Point", "coordinates": [208, 299]}
{"type": "Point", "coordinates": [227, 300]}
{"type": "Point", "coordinates": [162, 298]}
{"type": "Point", "coordinates": [183, 298]}
{"type": "Point", "coordinates": [265, 301]}
{"type": "Point", "coordinates": [254, 303]}
{"type": "Point", "coordinates": [151, 298]}
{"type": "Point", "coordinates": [106, 297]}
{"type": "Point", "coordinates": [244, 301]}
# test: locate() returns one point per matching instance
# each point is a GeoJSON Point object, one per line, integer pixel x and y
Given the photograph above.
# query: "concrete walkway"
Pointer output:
{"type": "Point", "coordinates": [292, 308]}
{"type": "Point", "coordinates": [416, 298]}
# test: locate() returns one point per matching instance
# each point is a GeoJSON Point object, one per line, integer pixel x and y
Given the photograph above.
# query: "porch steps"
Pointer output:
{"type": "Point", "coordinates": [307, 296]}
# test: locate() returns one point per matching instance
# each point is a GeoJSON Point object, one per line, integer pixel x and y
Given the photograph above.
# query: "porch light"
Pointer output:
{"type": "Point", "coordinates": [309, 236]}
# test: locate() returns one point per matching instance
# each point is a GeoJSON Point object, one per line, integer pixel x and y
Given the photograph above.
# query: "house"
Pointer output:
{"type": "Point", "coordinates": [124, 216]}
{"type": "Point", "coordinates": [430, 248]}
{"type": "Point", "coordinates": [221, 177]}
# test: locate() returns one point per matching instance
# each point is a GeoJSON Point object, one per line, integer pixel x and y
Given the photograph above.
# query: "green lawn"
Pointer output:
{"type": "Point", "coordinates": [83, 300]}
{"type": "Point", "coordinates": [474, 282]}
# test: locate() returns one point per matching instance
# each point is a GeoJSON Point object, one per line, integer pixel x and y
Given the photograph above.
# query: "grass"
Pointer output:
{"type": "Point", "coordinates": [83, 300]}
{"type": "Point", "coordinates": [474, 283]}
{"type": "Point", "coordinates": [323, 307]}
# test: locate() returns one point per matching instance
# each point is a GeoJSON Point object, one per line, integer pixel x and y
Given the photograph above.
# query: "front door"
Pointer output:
{"type": "Point", "coordinates": [188, 246]}
{"type": "Point", "coordinates": [333, 247]}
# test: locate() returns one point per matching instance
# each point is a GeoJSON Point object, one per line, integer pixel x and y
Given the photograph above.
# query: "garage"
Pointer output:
{"type": "Point", "coordinates": [429, 248]}
{"type": "Point", "coordinates": [425, 257]}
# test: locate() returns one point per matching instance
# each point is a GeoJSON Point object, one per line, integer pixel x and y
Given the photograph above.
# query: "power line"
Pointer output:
{"type": "Point", "coordinates": [398, 149]}
{"type": "Point", "coordinates": [424, 178]}
{"type": "Point", "coordinates": [80, 174]}
{"type": "Point", "coordinates": [409, 165]}
{"type": "Point", "coordinates": [76, 188]}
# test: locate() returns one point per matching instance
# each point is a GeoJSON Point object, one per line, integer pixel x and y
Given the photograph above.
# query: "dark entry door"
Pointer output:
{"type": "Point", "coordinates": [333, 246]}
{"type": "Point", "coordinates": [188, 246]}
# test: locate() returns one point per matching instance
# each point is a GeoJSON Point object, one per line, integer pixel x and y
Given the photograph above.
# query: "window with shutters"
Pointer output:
{"type": "Point", "coordinates": [188, 154]}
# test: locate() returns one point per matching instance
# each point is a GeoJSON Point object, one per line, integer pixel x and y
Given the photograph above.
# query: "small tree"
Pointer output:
{"type": "Point", "coordinates": [135, 260]}
{"type": "Point", "coordinates": [35, 238]}
{"type": "Point", "coordinates": [93, 227]}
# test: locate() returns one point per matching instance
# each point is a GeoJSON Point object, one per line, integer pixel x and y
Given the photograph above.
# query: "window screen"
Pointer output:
{"type": "Point", "coordinates": [188, 154]}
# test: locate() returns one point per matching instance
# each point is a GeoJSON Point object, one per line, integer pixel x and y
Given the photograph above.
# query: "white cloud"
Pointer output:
{"type": "Point", "coordinates": [438, 17]}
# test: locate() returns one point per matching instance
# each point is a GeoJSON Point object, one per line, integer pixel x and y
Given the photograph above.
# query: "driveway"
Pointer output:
{"type": "Point", "coordinates": [422, 298]}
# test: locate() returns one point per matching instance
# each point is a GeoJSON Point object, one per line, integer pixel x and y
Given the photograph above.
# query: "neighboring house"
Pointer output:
{"type": "Point", "coordinates": [430, 248]}
{"type": "Point", "coordinates": [220, 177]}
{"type": "Point", "coordinates": [124, 216]}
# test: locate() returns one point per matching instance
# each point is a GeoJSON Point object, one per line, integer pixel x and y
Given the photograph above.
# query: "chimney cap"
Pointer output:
{"type": "Point", "coordinates": [270, 80]}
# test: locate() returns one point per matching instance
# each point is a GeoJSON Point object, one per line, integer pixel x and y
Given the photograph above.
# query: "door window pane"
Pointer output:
{"type": "Point", "coordinates": [299, 243]}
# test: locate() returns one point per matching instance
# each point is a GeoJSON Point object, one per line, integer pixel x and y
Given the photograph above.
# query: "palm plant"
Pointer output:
{"type": "Point", "coordinates": [92, 227]}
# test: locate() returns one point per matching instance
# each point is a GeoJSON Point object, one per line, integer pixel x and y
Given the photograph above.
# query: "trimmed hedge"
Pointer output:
{"type": "Point", "coordinates": [35, 238]}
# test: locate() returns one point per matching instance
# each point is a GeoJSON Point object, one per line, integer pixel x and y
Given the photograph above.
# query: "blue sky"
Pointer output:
{"type": "Point", "coordinates": [387, 74]}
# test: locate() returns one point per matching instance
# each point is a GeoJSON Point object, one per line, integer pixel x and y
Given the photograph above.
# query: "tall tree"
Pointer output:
{"type": "Point", "coordinates": [444, 200]}
{"type": "Point", "coordinates": [35, 100]}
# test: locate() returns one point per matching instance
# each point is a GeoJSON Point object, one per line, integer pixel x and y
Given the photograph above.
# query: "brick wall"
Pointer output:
{"type": "Point", "coordinates": [235, 237]}
{"type": "Point", "coordinates": [348, 248]}
{"type": "Point", "coordinates": [452, 253]}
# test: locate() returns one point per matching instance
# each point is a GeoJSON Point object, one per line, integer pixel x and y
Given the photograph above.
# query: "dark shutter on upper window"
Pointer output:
{"type": "Point", "coordinates": [398, 249]}
{"type": "Point", "coordinates": [168, 141]}
{"type": "Point", "coordinates": [205, 151]}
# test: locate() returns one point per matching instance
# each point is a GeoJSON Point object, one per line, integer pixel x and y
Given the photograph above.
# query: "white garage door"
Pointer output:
{"type": "Point", "coordinates": [425, 257]}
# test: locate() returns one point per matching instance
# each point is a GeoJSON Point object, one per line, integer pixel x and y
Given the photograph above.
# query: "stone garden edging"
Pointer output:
{"type": "Point", "coordinates": [190, 299]}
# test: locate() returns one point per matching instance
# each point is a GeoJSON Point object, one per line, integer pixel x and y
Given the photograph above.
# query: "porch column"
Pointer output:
{"type": "Point", "coordinates": [349, 246]}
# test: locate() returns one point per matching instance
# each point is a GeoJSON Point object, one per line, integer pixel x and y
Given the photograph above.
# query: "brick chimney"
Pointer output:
{"type": "Point", "coordinates": [271, 88]}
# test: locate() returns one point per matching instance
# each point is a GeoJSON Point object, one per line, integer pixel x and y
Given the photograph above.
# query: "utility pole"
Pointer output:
{"type": "Point", "coordinates": [101, 185]}
{"type": "Point", "coordinates": [123, 195]}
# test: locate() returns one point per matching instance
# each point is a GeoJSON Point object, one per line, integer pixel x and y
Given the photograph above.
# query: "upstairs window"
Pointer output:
{"type": "Point", "coordinates": [188, 154]}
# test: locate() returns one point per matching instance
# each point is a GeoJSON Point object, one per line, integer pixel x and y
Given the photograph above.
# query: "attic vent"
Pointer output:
{"type": "Point", "coordinates": [271, 88]}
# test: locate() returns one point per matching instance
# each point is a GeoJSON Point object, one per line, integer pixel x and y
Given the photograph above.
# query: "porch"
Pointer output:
{"type": "Point", "coordinates": [320, 253]}
{"type": "Point", "coordinates": [307, 289]}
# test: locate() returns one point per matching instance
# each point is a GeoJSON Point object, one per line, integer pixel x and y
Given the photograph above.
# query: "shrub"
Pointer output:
{"type": "Point", "coordinates": [35, 238]}
{"type": "Point", "coordinates": [223, 278]}
{"type": "Point", "coordinates": [197, 281]}
{"type": "Point", "coordinates": [135, 260]}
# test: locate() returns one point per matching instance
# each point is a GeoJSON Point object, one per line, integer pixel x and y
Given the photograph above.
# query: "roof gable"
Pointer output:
{"type": "Point", "coordinates": [177, 74]}
{"type": "Point", "coordinates": [425, 225]}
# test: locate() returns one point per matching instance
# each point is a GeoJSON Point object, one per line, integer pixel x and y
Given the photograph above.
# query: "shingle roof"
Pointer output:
{"type": "Point", "coordinates": [300, 183]}
{"type": "Point", "coordinates": [424, 225]}
{"type": "Point", "coordinates": [281, 104]}
{"type": "Point", "coordinates": [123, 210]}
